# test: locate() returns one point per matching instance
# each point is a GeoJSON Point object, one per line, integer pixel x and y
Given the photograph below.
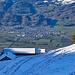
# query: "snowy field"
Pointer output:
{"type": "Point", "coordinates": [57, 62]}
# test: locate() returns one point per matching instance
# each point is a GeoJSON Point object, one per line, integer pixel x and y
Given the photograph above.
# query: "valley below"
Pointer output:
{"type": "Point", "coordinates": [36, 37]}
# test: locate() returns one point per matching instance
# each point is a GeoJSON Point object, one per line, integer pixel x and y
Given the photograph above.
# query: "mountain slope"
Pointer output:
{"type": "Point", "coordinates": [54, 10]}
{"type": "Point", "coordinates": [57, 62]}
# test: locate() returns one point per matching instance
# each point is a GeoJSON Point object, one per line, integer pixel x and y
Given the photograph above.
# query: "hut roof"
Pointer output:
{"type": "Point", "coordinates": [7, 56]}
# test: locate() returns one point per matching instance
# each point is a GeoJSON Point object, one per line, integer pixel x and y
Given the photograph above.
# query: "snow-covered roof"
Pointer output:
{"type": "Point", "coordinates": [24, 50]}
{"type": "Point", "coordinates": [45, 1]}
{"type": "Point", "coordinates": [40, 50]}
{"type": "Point", "coordinates": [7, 54]}
{"type": "Point", "coordinates": [20, 50]}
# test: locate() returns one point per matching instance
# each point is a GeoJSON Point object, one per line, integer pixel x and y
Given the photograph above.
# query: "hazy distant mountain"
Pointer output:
{"type": "Point", "coordinates": [37, 12]}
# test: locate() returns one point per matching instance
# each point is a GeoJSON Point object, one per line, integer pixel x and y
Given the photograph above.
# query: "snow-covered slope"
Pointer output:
{"type": "Point", "coordinates": [57, 62]}
{"type": "Point", "coordinates": [64, 2]}
{"type": "Point", "coordinates": [67, 1]}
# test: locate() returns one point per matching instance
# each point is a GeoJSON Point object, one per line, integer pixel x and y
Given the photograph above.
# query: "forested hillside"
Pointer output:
{"type": "Point", "coordinates": [35, 13]}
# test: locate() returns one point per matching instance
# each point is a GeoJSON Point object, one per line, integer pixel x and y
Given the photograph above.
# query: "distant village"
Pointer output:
{"type": "Point", "coordinates": [32, 32]}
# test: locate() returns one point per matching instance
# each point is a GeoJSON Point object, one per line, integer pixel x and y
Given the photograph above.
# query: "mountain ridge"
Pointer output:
{"type": "Point", "coordinates": [10, 11]}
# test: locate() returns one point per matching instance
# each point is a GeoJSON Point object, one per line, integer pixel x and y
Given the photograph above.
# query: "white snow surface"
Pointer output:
{"type": "Point", "coordinates": [68, 1]}
{"type": "Point", "coordinates": [57, 62]}
{"type": "Point", "coordinates": [64, 2]}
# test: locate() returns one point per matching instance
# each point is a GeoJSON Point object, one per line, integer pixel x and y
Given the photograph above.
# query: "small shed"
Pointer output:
{"type": "Point", "coordinates": [7, 56]}
{"type": "Point", "coordinates": [37, 51]}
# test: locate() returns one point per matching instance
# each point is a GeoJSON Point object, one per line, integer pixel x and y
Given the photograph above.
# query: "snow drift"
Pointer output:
{"type": "Point", "coordinates": [57, 62]}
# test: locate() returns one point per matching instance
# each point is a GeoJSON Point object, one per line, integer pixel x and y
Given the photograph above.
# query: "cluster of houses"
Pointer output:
{"type": "Point", "coordinates": [11, 53]}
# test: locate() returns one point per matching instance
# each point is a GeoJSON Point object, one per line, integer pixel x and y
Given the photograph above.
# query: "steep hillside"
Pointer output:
{"type": "Point", "coordinates": [57, 62]}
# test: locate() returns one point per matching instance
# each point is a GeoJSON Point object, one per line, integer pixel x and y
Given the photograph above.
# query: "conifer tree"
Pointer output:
{"type": "Point", "coordinates": [73, 39]}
